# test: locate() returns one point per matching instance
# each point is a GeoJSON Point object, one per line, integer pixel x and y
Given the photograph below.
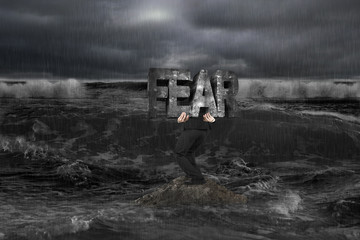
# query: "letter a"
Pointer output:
{"type": "Point", "coordinates": [202, 95]}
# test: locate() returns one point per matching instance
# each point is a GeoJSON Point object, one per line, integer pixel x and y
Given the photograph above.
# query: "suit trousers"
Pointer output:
{"type": "Point", "coordinates": [188, 142]}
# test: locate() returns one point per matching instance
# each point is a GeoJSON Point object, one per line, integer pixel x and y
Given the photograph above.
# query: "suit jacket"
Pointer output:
{"type": "Point", "coordinates": [196, 122]}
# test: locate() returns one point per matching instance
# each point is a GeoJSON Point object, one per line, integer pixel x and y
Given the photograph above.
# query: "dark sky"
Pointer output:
{"type": "Point", "coordinates": [123, 39]}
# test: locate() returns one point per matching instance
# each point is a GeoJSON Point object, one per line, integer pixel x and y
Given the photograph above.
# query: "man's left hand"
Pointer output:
{"type": "Point", "coordinates": [208, 118]}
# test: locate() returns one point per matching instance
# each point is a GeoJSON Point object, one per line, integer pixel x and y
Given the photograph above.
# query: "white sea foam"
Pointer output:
{"type": "Point", "coordinates": [287, 204]}
{"type": "Point", "coordinates": [298, 89]}
{"type": "Point", "coordinates": [48, 229]}
{"type": "Point", "coordinates": [21, 144]}
{"type": "Point", "coordinates": [42, 88]}
{"type": "Point", "coordinates": [129, 214]}
{"type": "Point", "coordinates": [78, 224]}
{"type": "Point", "coordinates": [264, 185]}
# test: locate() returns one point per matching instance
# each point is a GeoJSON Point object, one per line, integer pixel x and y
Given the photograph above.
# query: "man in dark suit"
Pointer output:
{"type": "Point", "coordinates": [194, 133]}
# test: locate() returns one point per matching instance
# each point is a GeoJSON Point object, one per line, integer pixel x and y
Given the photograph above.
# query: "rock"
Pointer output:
{"type": "Point", "coordinates": [177, 193]}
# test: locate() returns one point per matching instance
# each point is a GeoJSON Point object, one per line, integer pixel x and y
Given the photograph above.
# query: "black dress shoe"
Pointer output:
{"type": "Point", "coordinates": [195, 182]}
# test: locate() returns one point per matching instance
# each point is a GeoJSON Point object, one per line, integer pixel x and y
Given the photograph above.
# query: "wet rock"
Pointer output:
{"type": "Point", "coordinates": [177, 193]}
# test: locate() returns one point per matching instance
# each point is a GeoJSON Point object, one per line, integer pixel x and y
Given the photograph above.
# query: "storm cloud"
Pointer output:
{"type": "Point", "coordinates": [123, 39]}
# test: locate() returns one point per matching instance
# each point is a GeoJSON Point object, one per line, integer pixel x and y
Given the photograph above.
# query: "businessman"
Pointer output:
{"type": "Point", "coordinates": [193, 135]}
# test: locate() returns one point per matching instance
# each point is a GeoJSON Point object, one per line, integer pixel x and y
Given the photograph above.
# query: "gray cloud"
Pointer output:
{"type": "Point", "coordinates": [123, 39]}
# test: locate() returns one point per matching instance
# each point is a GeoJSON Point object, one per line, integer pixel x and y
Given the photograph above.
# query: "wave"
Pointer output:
{"type": "Point", "coordinates": [319, 178]}
{"type": "Point", "coordinates": [45, 163]}
{"type": "Point", "coordinates": [347, 118]}
{"type": "Point", "coordinates": [346, 211]}
{"type": "Point", "coordinates": [52, 228]}
{"type": "Point", "coordinates": [41, 88]}
{"type": "Point", "coordinates": [128, 85]}
{"type": "Point", "coordinates": [298, 89]}
{"type": "Point", "coordinates": [89, 220]}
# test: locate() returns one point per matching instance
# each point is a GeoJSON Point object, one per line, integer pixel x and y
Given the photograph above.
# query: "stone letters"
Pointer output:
{"type": "Point", "coordinates": [179, 93]}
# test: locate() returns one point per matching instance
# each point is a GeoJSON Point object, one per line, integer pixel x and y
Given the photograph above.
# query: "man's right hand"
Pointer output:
{"type": "Point", "coordinates": [183, 117]}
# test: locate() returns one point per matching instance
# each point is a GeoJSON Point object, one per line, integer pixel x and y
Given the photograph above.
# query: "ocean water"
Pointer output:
{"type": "Point", "coordinates": [75, 154]}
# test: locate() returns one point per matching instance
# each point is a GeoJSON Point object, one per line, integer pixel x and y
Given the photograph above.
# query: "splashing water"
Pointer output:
{"type": "Point", "coordinates": [289, 203]}
{"type": "Point", "coordinates": [41, 88]}
{"type": "Point", "coordinates": [20, 144]}
{"type": "Point", "coordinates": [298, 89]}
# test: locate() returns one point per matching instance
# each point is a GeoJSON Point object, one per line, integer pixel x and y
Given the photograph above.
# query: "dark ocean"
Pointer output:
{"type": "Point", "coordinates": [74, 155]}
